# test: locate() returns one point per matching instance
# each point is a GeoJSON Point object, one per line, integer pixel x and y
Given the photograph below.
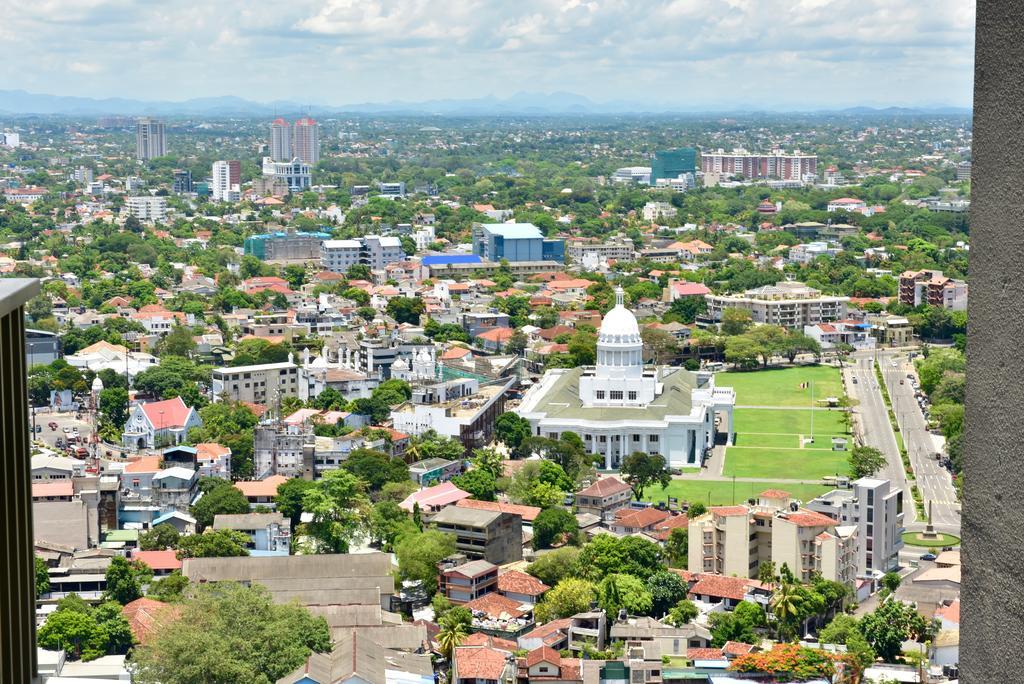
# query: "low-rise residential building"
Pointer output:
{"type": "Point", "coordinates": [807, 252]}
{"type": "Point", "coordinates": [466, 582]}
{"type": "Point", "coordinates": [147, 208]}
{"type": "Point", "coordinates": [261, 492]}
{"type": "Point", "coordinates": [934, 289]}
{"type": "Point", "coordinates": [788, 304]}
{"type": "Point", "coordinates": [654, 211]}
{"type": "Point", "coordinates": [269, 533]}
{"type": "Point", "coordinates": [434, 470]}
{"type": "Point", "coordinates": [853, 333]}
{"type": "Point", "coordinates": [468, 419]}
{"type": "Point", "coordinates": [604, 497]}
{"type": "Point", "coordinates": [493, 536]}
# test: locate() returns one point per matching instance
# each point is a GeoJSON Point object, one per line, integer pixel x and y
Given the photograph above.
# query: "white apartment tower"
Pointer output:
{"type": "Point", "coordinates": [225, 181]}
{"type": "Point", "coordinates": [150, 142]}
{"type": "Point", "coordinates": [280, 140]}
{"type": "Point", "coordinates": [306, 140]}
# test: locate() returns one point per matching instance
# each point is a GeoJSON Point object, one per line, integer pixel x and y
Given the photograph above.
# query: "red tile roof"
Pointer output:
{"type": "Point", "coordinates": [606, 486]}
{"type": "Point", "coordinates": [550, 632]}
{"type": "Point", "coordinates": [722, 587]}
{"type": "Point", "coordinates": [528, 513]}
{"type": "Point", "coordinates": [145, 464]}
{"type": "Point", "coordinates": [663, 530]}
{"type": "Point", "coordinates": [704, 654]}
{"type": "Point", "coordinates": [55, 488]}
{"type": "Point", "coordinates": [496, 605]}
{"type": "Point", "coordinates": [736, 648]}
{"type": "Point", "coordinates": [479, 662]}
{"type": "Point", "coordinates": [727, 511]}
{"type": "Point", "coordinates": [642, 518]}
{"type": "Point", "coordinates": [496, 334]}
{"type": "Point", "coordinates": [805, 518]}
{"type": "Point", "coordinates": [267, 487]}
{"type": "Point", "coordinates": [950, 613]}
{"type": "Point", "coordinates": [158, 560]}
{"type": "Point", "coordinates": [433, 497]}
{"type": "Point", "coordinates": [775, 494]}
{"type": "Point", "coordinates": [146, 615]}
{"type": "Point", "coordinates": [515, 582]}
{"type": "Point", "coordinates": [544, 654]}
{"type": "Point", "coordinates": [170, 413]}
{"type": "Point", "coordinates": [481, 639]}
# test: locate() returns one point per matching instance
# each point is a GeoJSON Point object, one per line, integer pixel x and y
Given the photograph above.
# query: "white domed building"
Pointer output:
{"type": "Point", "coordinates": [620, 405]}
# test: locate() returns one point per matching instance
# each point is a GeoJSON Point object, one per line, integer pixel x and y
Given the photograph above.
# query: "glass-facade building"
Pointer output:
{"type": "Point", "coordinates": [673, 163]}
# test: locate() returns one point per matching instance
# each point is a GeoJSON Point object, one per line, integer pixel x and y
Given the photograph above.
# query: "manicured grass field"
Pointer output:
{"type": "Point", "coordinates": [767, 439]}
{"type": "Point", "coordinates": [788, 422]}
{"type": "Point", "coordinates": [792, 464]}
{"type": "Point", "coordinates": [911, 539]}
{"type": "Point", "coordinates": [719, 493]}
{"type": "Point", "coordinates": [781, 386]}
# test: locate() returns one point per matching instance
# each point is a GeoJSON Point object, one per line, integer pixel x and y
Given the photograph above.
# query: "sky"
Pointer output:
{"type": "Point", "coordinates": [691, 54]}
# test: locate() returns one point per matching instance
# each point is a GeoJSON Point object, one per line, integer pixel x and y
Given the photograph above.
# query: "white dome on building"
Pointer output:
{"type": "Point", "coordinates": [619, 325]}
{"type": "Point", "coordinates": [400, 364]}
{"type": "Point", "coordinates": [97, 384]}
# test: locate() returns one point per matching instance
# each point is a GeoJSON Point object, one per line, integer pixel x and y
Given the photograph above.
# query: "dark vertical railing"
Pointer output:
{"type": "Point", "coordinates": [17, 570]}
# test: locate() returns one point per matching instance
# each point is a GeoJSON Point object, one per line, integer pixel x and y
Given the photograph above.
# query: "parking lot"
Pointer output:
{"type": "Point", "coordinates": [61, 421]}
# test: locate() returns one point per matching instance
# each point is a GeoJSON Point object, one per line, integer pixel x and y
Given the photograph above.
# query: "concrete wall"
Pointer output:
{"type": "Point", "coordinates": [993, 618]}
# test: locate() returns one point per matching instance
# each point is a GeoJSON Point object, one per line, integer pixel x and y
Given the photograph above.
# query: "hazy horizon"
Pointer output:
{"type": "Point", "coordinates": [680, 54]}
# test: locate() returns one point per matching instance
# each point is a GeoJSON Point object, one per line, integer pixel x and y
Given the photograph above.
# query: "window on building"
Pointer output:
{"type": "Point", "coordinates": [652, 438]}
{"type": "Point", "coordinates": [604, 438]}
{"type": "Point", "coordinates": [636, 438]}
{"type": "Point", "coordinates": [599, 394]}
{"type": "Point", "coordinates": [615, 394]}
{"type": "Point", "coordinates": [631, 395]}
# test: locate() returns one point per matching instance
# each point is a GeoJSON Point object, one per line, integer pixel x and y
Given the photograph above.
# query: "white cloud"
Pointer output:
{"type": "Point", "coordinates": [693, 51]}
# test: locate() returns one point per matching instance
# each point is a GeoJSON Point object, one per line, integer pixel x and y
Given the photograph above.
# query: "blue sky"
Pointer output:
{"type": "Point", "coordinates": [690, 53]}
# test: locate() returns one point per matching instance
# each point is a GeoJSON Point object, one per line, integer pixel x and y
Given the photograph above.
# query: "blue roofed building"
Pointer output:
{"type": "Point", "coordinates": [515, 242]}
{"type": "Point", "coordinates": [444, 259]}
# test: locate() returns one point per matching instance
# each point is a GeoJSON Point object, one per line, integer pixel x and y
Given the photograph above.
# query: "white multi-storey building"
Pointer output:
{"type": "Point", "coordinates": [876, 508]}
{"type": "Point", "coordinates": [633, 174]}
{"type": "Point", "coordinates": [374, 251]}
{"type": "Point", "coordinates": [789, 304]}
{"type": "Point", "coordinates": [620, 406]}
{"type": "Point", "coordinates": [150, 141]}
{"type": "Point", "coordinates": [147, 207]}
{"type": "Point", "coordinates": [224, 186]}
{"type": "Point", "coordinates": [306, 140]}
{"type": "Point", "coordinates": [296, 174]}
{"type": "Point", "coordinates": [339, 255]}
{"type": "Point", "coordinates": [280, 140]}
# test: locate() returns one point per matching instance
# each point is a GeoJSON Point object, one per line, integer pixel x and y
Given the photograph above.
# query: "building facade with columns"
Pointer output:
{"type": "Point", "coordinates": [620, 406]}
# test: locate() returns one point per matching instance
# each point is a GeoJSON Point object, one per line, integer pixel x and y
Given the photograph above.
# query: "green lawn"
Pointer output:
{"type": "Point", "coordinates": [911, 539]}
{"type": "Point", "coordinates": [788, 422]}
{"type": "Point", "coordinates": [721, 493]}
{"type": "Point", "coordinates": [792, 464]}
{"type": "Point", "coordinates": [781, 386]}
{"type": "Point", "coordinates": [767, 439]}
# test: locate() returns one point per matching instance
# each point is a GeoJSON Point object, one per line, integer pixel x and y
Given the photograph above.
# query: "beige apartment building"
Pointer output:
{"type": "Point", "coordinates": [735, 540]}
{"type": "Point", "coordinates": [789, 304]}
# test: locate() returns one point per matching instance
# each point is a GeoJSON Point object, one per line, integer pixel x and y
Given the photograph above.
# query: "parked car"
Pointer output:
{"type": "Point", "coordinates": [928, 556]}
{"type": "Point", "coordinates": [66, 429]}
{"type": "Point", "coordinates": [52, 426]}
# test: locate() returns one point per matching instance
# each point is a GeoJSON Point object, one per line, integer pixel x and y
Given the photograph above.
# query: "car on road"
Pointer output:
{"type": "Point", "coordinates": [52, 426]}
{"type": "Point", "coordinates": [855, 380]}
{"type": "Point", "coordinates": [66, 429]}
{"type": "Point", "coordinates": [39, 428]}
{"type": "Point", "coordinates": [928, 556]}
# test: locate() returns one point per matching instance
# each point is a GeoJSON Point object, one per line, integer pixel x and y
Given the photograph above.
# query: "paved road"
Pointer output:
{"type": "Point", "coordinates": [874, 426]}
{"type": "Point", "coordinates": [933, 480]}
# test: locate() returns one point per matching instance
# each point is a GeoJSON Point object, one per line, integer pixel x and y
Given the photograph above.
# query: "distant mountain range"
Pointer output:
{"type": "Point", "coordinates": [21, 102]}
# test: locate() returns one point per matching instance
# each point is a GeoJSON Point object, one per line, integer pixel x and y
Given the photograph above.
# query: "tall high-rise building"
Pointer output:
{"type": "Point", "coordinates": [776, 164]}
{"type": "Point", "coordinates": [280, 140]}
{"type": "Point", "coordinates": [227, 178]}
{"type": "Point", "coordinates": [182, 181]}
{"type": "Point", "coordinates": [673, 163]}
{"type": "Point", "coordinates": [306, 140]}
{"type": "Point", "coordinates": [150, 142]}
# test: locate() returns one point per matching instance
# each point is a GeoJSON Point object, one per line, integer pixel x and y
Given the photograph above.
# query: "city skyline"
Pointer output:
{"type": "Point", "coordinates": [675, 55]}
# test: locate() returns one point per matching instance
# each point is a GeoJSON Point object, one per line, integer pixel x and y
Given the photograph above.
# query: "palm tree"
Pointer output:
{"type": "Point", "coordinates": [785, 606]}
{"type": "Point", "coordinates": [453, 632]}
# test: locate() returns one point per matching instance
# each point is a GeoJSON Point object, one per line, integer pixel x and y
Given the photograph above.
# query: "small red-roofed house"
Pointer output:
{"type": "Point", "coordinates": [261, 492]}
{"type": "Point", "coordinates": [607, 495]}
{"type": "Point", "coordinates": [160, 562]}
{"type": "Point", "coordinates": [165, 422]}
{"type": "Point", "coordinates": [146, 615]}
{"type": "Point", "coordinates": [480, 665]}
{"type": "Point", "coordinates": [521, 587]}
{"type": "Point", "coordinates": [495, 339]}
{"type": "Point", "coordinates": [633, 521]}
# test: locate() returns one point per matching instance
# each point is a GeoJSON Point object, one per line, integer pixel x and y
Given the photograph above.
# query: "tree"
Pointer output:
{"type": "Point", "coordinates": [683, 613]}
{"type": "Point", "coordinates": [122, 581]}
{"type": "Point", "coordinates": [246, 637]}
{"type": "Point", "coordinates": [667, 589]}
{"type": "Point", "coordinates": [845, 629]}
{"type": "Point", "coordinates": [551, 525]}
{"type": "Point", "coordinates": [606, 554]}
{"type": "Point", "coordinates": [375, 468]}
{"type": "Point", "coordinates": [289, 498]}
{"type": "Point", "coordinates": [736, 626]}
{"type": "Point", "coordinates": [358, 272]}
{"type": "Point", "coordinates": [111, 620]}
{"type": "Point", "coordinates": [387, 522]}
{"type": "Point", "coordinates": [554, 566]}
{"type": "Point", "coordinates": [889, 625]}
{"type": "Point", "coordinates": [231, 424]}
{"type": "Point", "coordinates": [178, 342]}
{"type": "Point", "coordinates": [735, 321]}
{"type": "Point", "coordinates": [479, 483]}
{"type": "Point", "coordinates": [42, 577]}
{"type": "Point", "coordinates": [624, 592]}
{"type": "Point", "coordinates": [160, 538]}
{"type": "Point", "coordinates": [336, 503]}
{"type": "Point", "coordinates": [677, 547]}
{"type": "Point", "coordinates": [659, 345]}
{"type": "Point", "coordinates": [406, 309]}
{"type": "Point", "coordinates": [865, 461]}
{"type": "Point", "coordinates": [75, 632]}
{"type": "Point", "coordinates": [696, 509]}
{"type": "Point", "coordinates": [169, 588]}
{"type": "Point", "coordinates": [114, 405]}
{"type": "Point", "coordinates": [686, 309]}
{"type": "Point", "coordinates": [214, 544]}
{"type": "Point", "coordinates": [420, 552]}
{"type": "Point", "coordinates": [489, 460]}
{"type": "Point", "coordinates": [891, 581]}
{"type": "Point", "coordinates": [792, 661]}
{"type": "Point", "coordinates": [223, 497]}
{"type": "Point", "coordinates": [569, 597]}
{"type": "Point", "coordinates": [452, 633]}
{"type": "Point", "coordinates": [742, 351]}
{"type": "Point", "coordinates": [641, 470]}
{"type": "Point", "coordinates": [511, 429]}
{"type": "Point", "coordinates": [785, 606]}
{"type": "Point", "coordinates": [517, 343]}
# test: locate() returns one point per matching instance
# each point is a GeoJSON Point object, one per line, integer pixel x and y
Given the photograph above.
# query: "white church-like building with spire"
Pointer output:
{"type": "Point", "coordinates": [621, 406]}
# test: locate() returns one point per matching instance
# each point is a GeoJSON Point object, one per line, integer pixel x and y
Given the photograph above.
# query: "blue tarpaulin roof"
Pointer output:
{"type": "Point", "coordinates": [439, 259]}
